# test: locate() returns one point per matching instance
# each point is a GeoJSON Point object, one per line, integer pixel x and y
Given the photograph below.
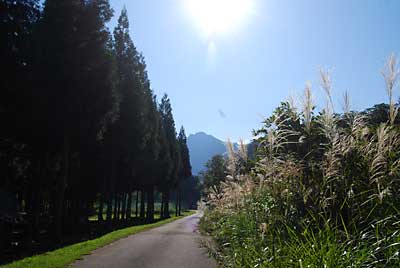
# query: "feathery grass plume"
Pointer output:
{"type": "Point", "coordinates": [332, 165]}
{"type": "Point", "coordinates": [346, 103]}
{"type": "Point", "coordinates": [358, 126]}
{"type": "Point", "coordinates": [293, 107]}
{"type": "Point", "coordinates": [385, 141]}
{"type": "Point", "coordinates": [308, 107]}
{"type": "Point", "coordinates": [277, 135]}
{"type": "Point", "coordinates": [390, 74]}
{"type": "Point", "coordinates": [326, 84]}
{"type": "Point", "coordinates": [232, 160]}
{"type": "Point", "coordinates": [292, 103]}
{"type": "Point", "coordinates": [327, 120]}
{"type": "Point", "coordinates": [242, 151]}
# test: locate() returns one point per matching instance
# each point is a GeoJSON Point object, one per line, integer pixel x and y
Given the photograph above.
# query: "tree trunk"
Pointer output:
{"type": "Point", "coordinates": [167, 204]}
{"type": "Point", "coordinates": [100, 210]}
{"type": "Point", "coordinates": [129, 206]}
{"type": "Point", "coordinates": [115, 207]}
{"type": "Point", "coordinates": [176, 202]}
{"type": "Point", "coordinates": [162, 206]}
{"type": "Point", "coordinates": [180, 203]}
{"type": "Point", "coordinates": [110, 192]}
{"type": "Point", "coordinates": [37, 197]}
{"type": "Point", "coordinates": [102, 200]}
{"type": "Point", "coordinates": [119, 200]}
{"type": "Point", "coordinates": [137, 204]}
{"type": "Point", "coordinates": [123, 206]}
{"type": "Point", "coordinates": [109, 210]}
{"type": "Point", "coordinates": [142, 200]}
{"type": "Point", "coordinates": [163, 214]}
{"type": "Point", "coordinates": [150, 204]}
{"type": "Point", "coordinates": [60, 189]}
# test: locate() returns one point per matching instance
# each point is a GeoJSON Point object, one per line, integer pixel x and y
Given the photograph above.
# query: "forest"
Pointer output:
{"type": "Point", "coordinates": [322, 190]}
{"type": "Point", "coordinates": [85, 145]}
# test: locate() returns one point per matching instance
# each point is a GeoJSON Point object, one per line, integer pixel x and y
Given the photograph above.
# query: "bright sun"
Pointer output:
{"type": "Point", "coordinates": [219, 16]}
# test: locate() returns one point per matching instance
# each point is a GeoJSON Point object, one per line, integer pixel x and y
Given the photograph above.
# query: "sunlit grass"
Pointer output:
{"type": "Point", "coordinates": [323, 191]}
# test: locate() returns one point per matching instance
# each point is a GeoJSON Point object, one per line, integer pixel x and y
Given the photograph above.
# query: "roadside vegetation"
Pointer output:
{"type": "Point", "coordinates": [61, 258]}
{"type": "Point", "coordinates": [322, 190]}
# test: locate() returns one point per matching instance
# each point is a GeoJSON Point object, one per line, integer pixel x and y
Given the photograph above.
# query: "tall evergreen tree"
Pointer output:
{"type": "Point", "coordinates": [77, 82]}
{"type": "Point", "coordinates": [185, 169]}
{"type": "Point", "coordinates": [171, 170]}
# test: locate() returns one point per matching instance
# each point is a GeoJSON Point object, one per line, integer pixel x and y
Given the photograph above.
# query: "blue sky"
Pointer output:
{"type": "Point", "coordinates": [226, 84]}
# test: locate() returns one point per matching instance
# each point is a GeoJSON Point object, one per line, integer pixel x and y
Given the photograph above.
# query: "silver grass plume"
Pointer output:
{"type": "Point", "coordinates": [390, 74]}
{"type": "Point", "coordinates": [327, 121]}
{"type": "Point", "coordinates": [308, 106]}
{"type": "Point", "coordinates": [346, 102]}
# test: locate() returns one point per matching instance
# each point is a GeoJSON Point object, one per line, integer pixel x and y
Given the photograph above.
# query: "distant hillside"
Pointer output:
{"type": "Point", "coordinates": [202, 147]}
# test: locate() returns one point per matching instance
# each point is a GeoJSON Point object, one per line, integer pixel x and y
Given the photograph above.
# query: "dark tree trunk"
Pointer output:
{"type": "Point", "coordinates": [102, 200]}
{"type": "Point", "coordinates": [111, 192]}
{"type": "Point", "coordinates": [37, 196]}
{"type": "Point", "coordinates": [4, 239]}
{"type": "Point", "coordinates": [119, 201]}
{"type": "Point", "coordinates": [180, 203]}
{"type": "Point", "coordinates": [142, 201]}
{"type": "Point", "coordinates": [60, 190]}
{"type": "Point", "coordinates": [27, 235]}
{"type": "Point", "coordinates": [162, 213]}
{"type": "Point", "coordinates": [116, 207]}
{"type": "Point", "coordinates": [150, 204]}
{"type": "Point", "coordinates": [137, 204]}
{"type": "Point", "coordinates": [129, 206]}
{"type": "Point", "coordinates": [123, 206]}
{"type": "Point", "coordinates": [167, 204]}
{"type": "Point", "coordinates": [101, 207]}
{"type": "Point", "coordinates": [177, 202]}
{"type": "Point", "coordinates": [162, 206]}
{"type": "Point", "coordinates": [109, 210]}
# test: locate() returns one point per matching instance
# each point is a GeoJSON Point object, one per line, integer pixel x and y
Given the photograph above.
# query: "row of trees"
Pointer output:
{"type": "Point", "coordinates": [81, 127]}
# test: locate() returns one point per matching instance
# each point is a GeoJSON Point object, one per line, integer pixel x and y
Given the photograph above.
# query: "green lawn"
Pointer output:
{"type": "Point", "coordinates": [62, 257]}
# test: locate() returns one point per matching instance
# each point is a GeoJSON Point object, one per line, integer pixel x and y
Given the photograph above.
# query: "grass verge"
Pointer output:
{"type": "Point", "coordinates": [63, 257]}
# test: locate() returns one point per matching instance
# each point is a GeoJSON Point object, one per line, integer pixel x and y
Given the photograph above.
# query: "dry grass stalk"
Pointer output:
{"type": "Point", "coordinates": [346, 102]}
{"type": "Point", "coordinates": [390, 74]}
{"type": "Point", "coordinates": [308, 107]}
{"type": "Point", "coordinates": [326, 84]}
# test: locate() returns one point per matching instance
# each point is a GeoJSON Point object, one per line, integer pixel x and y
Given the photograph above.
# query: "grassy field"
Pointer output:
{"type": "Point", "coordinates": [62, 257]}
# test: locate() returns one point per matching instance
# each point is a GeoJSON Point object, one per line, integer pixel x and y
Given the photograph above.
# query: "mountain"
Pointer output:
{"type": "Point", "coordinates": [201, 148]}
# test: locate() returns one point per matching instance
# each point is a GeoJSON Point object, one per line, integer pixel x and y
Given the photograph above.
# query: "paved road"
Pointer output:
{"type": "Point", "coordinates": [173, 245]}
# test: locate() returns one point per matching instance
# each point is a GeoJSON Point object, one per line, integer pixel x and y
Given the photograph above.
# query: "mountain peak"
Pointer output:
{"type": "Point", "coordinates": [202, 147]}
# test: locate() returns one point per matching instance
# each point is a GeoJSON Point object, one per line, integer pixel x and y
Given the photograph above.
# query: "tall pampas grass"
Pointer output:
{"type": "Point", "coordinates": [315, 175]}
{"type": "Point", "coordinates": [346, 107]}
{"type": "Point", "coordinates": [308, 107]}
{"type": "Point", "coordinates": [390, 74]}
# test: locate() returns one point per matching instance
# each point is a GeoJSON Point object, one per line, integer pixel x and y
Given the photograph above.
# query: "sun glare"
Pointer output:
{"type": "Point", "coordinates": [219, 16]}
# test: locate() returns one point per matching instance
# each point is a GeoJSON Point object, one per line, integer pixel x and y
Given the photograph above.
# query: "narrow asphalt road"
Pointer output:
{"type": "Point", "coordinates": [173, 245]}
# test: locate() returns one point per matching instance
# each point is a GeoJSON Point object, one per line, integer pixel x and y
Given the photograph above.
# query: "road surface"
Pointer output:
{"type": "Point", "coordinates": [173, 245]}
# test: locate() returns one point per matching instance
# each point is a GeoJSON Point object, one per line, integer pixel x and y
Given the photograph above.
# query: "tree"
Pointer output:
{"type": "Point", "coordinates": [214, 174]}
{"type": "Point", "coordinates": [17, 25]}
{"type": "Point", "coordinates": [77, 85]}
{"type": "Point", "coordinates": [171, 147]}
{"type": "Point", "coordinates": [185, 169]}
